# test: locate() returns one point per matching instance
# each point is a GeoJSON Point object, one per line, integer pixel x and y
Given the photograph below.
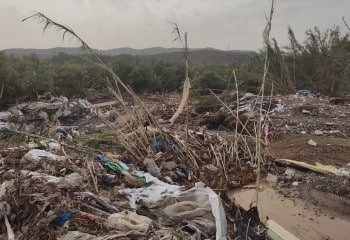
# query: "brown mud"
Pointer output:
{"type": "Point", "coordinates": [301, 218]}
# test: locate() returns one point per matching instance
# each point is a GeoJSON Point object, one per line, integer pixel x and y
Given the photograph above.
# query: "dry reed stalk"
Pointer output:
{"type": "Point", "coordinates": [182, 146]}
{"type": "Point", "coordinates": [237, 116]}
{"type": "Point", "coordinates": [187, 84]}
{"type": "Point", "coordinates": [238, 135]}
{"type": "Point", "coordinates": [258, 153]}
{"type": "Point", "coordinates": [184, 99]}
{"type": "Point", "coordinates": [91, 168]}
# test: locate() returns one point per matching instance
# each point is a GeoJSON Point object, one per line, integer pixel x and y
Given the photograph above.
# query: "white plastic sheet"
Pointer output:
{"type": "Point", "coordinates": [31, 158]}
{"type": "Point", "coordinates": [200, 193]}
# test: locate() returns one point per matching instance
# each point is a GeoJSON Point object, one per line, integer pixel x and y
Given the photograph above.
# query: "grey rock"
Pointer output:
{"type": "Point", "coordinates": [289, 173]}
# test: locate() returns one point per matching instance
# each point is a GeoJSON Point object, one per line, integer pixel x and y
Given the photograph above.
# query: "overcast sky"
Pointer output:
{"type": "Point", "coordinates": [106, 24]}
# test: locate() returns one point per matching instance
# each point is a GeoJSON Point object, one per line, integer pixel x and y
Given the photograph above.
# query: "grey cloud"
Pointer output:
{"type": "Point", "coordinates": [146, 23]}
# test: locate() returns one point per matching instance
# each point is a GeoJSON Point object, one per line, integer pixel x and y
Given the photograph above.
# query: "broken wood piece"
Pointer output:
{"type": "Point", "coordinates": [318, 167]}
{"type": "Point", "coordinates": [105, 104]}
{"type": "Point", "coordinates": [10, 233]}
{"type": "Point", "coordinates": [95, 210]}
{"type": "Point", "coordinates": [277, 232]}
{"type": "Point", "coordinates": [102, 203]}
{"type": "Point", "coordinates": [5, 210]}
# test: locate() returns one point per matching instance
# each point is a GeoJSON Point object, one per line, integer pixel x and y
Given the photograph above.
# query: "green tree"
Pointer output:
{"type": "Point", "coordinates": [6, 71]}
{"type": "Point", "coordinates": [319, 64]}
{"type": "Point", "coordinates": [143, 79]}
{"type": "Point", "coordinates": [70, 80]}
{"type": "Point", "coordinates": [209, 80]}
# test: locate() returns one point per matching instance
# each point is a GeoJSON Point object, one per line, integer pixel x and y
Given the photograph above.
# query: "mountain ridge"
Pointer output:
{"type": "Point", "coordinates": [199, 56]}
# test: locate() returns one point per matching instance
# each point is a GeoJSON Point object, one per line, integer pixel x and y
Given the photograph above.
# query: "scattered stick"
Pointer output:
{"type": "Point", "coordinates": [319, 168]}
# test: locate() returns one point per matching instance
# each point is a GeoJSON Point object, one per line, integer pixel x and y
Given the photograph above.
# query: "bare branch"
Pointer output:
{"type": "Point", "coordinates": [267, 29]}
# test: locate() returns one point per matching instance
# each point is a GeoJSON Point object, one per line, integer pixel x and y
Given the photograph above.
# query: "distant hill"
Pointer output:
{"type": "Point", "coordinates": [198, 56]}
{"type": "Point", "coordinates": [42, 53]}
{"type": "Point", "coordinates": [205, 57]}
{"type": "Point", "coordinates": [132, 51]}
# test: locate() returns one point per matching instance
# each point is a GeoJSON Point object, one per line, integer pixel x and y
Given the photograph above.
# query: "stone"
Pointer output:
{"type": "Point", "coordinates": [312, 143]}
{"type": "Point", "coordinates": [289, 173]}
{"type": "Point", "coordinates": [318, 132]}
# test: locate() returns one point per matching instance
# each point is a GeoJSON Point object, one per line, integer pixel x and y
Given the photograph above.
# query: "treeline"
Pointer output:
{"type": "Point", "coordinates": [321, 64]}
{"type": "Point", "coordinates": [72, 76]}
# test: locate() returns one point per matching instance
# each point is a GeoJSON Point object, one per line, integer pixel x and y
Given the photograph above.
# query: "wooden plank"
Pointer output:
{"type": "Point", "coordinates": [277, 232]}
{"type": "Point", "coordinates": [319, 168]}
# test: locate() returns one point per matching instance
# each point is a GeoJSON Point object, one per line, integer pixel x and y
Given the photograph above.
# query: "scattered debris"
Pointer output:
{"type": "Point", "coordinates": [247, 223]}
{"type": "Point", "coordinates": [336, 100]}
{"type": "Point", "coordinates": [305, 92]}
{"type": "Point", "coordinates": [248, 111]}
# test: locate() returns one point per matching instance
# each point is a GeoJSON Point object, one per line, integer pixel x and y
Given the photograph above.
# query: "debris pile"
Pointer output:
{"type": "Point", "coordinates": [301, 113]}
{"type": "Point", "coordinates": [70, 169]}
{"type": "Point", "coordinates": [75, 191]}
{"type": "Point", "coordinates": [40, 116]}
{"type": "Point", "coordinates": [249, 109]}
{"type": "Point", "coordinates": [62, 202]}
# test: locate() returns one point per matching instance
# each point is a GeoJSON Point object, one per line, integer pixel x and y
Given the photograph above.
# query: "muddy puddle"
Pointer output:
{"type": "Point", "coordinates": [296, 216]}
